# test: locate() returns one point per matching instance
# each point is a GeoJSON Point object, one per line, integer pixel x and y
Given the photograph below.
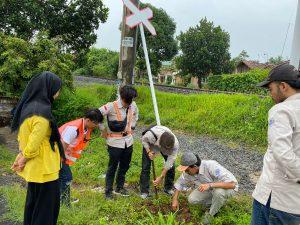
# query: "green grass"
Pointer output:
{"type": "Point", "coordinates": [235, 119]}
{"type": "Point", "coordinates": [6, 159]}
{"type": "Point", "coordinates": [94, 209]}
{"type": "Point", "coordinates": [238, 118]}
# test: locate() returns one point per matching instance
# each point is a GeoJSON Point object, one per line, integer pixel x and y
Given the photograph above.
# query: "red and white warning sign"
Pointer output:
{"type": "Point", "coordinates": [139, 16]}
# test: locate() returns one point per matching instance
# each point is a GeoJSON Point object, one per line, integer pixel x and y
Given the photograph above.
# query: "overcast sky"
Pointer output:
{"type": "Point", "coordinates": [257, 26]}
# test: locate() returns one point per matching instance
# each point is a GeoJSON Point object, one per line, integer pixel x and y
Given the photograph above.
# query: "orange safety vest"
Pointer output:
{"type": "Point", "coordinates": [74, 153]}
{"type": "Point", "coordinates": [123, 133]}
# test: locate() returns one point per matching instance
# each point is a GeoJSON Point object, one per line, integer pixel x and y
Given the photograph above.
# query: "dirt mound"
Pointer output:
{"type": "Point", "coordinates": [183, 215]}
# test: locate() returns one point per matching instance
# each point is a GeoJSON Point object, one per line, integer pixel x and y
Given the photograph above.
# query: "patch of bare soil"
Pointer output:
{"type": "Point", "coordinates": [183, 215]}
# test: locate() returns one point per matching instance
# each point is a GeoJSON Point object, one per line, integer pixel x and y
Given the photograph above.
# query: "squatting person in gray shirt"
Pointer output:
{"type": "Point", "coordinates": [158, 139]}
{"type": "Point", "coordinates": [212, 182]}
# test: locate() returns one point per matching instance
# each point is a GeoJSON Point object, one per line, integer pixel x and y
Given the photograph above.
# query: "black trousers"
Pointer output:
{"type": "Point", "coordinates": [42, 203]}
{"type": "Point", "coordinates": [145, 174]}
{"type": "Point", "coordinates": [119, 158]}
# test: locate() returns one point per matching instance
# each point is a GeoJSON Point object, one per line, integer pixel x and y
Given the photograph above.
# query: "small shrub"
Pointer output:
{"type": "Point", "coordinates": [244, 82]}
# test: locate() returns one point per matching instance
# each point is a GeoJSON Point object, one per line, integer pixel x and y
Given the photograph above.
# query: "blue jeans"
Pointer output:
{"type": "Point", "coordinates": [264, 215]}
{"type": "Point", "coordinates": [65, 178]}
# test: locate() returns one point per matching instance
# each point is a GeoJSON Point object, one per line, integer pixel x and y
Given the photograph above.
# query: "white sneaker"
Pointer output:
{"type": "Point", "coordinates": [74, 201]}
{"type": "Point", "coordinates": [144, 195]}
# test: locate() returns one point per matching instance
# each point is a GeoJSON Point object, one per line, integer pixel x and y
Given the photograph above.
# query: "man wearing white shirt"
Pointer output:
{"type": "Point", "coordinates": [158, 139]}
{"type": "Point", "coordinates": [277, 193]}
{"type": "Point", "coordinates": [122, 116]}
{"type": "Point", "coordinates": [75, 136]}
{"type": "Point", "coordinates": [212, 184]}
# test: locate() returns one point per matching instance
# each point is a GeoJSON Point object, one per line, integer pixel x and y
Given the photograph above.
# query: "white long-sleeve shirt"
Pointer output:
{"type": "Point", "coordinates": [109, 111]}
{"type": "Point", "coordinates": [281, 169]}
{"type": "Point", "coordinates": [210, 171]}
{"type": "Point", "coordinates": [149, 141]}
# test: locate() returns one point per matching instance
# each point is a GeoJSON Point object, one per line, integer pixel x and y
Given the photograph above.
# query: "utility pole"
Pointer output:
{"type": "Point", "coordinates": [295, 55]}
{"type": "Point", "coordinates": [127, 49]}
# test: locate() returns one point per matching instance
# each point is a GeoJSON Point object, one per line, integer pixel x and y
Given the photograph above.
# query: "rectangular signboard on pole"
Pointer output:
{"type": "Point", "coordinates": [127, 42]}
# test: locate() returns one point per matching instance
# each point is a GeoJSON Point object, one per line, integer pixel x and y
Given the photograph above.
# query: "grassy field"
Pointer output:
{"type": "Point", "coordinates": [231, 118]}
{"type": "Point", "coordinates": [94, 209]}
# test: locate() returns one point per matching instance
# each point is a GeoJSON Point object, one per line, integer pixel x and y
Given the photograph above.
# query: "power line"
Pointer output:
{"type": "Point", "coordinates": [286, 35]}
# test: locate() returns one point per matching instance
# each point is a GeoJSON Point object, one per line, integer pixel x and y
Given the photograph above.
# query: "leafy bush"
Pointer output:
{"type": "Point", "coordinates": [20, 60]}
{"type": "Point", "coordinates": [244, 82]}
{"type": "Point", "coordinates": [73, 104]}
{"type": "Point", "coordinates": [101, 63]}
{"type": "Point", "coordinates": [81, 72]}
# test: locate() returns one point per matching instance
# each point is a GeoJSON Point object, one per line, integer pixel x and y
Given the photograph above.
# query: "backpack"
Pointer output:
{"type": "Point", "coordinates": [149, 129]}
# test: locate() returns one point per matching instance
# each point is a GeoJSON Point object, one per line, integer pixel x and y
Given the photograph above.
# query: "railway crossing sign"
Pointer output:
{"type": "Point", "coordinates": [139, 16]}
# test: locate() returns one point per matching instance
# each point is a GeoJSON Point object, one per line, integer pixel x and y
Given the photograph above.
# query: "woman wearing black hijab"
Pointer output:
{"type": "Point", "coordinates": [40, 148]}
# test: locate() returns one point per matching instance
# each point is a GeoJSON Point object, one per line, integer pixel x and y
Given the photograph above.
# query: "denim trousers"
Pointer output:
{"type": "Point", "coordinates": [65, 178]}
{"type": "Point", "coordinates": [264, 215]}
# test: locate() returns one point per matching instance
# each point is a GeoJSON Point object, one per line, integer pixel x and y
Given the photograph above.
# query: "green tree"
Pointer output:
{"type": "Point", "coordinates": [276, 60]}
{"type": "Point", "coordinates": [21, 59]}
{"type": "Point", "coordinates": [205, 50]}
{"type": "Point", "coordinates": [242, 56]}
{"type": "Point", "coordinates": [72, 23]}
{"type": "Point", "coordinates": [101, 63]}
{"type": "Point", "coordinates": [162, 47]}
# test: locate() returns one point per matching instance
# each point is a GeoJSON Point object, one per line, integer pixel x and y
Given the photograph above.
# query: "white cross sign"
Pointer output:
{"type": "Point", "coordinates": [139, 16]}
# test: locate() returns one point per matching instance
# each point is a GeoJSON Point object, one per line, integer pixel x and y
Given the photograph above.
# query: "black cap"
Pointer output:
{"type": "Point", "coordinates": [283, 72]}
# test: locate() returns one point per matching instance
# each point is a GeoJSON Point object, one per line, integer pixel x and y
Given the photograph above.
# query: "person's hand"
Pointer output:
{"type": "Point", "coordinates": [175, 204]}
{"type": "Point", "coordinates": [104, 134]}
{"type": "Point", "coordinates": [15, 165]}
{"type": "Point", "coordinates": [157, 181]}
{"type": "Point", "coordinates": [151, 155]}
{"type": "Point", "coordinates": [22, 162]}
{"type": "Point", "coordinates": [203, 187]}
{"type": "Point", "coordinates": [19, 163]}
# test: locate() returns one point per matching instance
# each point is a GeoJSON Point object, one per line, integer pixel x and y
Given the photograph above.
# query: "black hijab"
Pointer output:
{"type": "Point", "coordinates": [37, 100]}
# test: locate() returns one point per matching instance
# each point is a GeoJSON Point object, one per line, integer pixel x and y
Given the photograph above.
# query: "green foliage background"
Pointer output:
{"type": "Point", "coordinates": [100, 63]}
{"type": "Point", "coordinates": [72, 23]}
{"type": "Point", "coordinates": [20, 60]}
{"type": "Point", "coordinates": [238, 118]}
{"type": "Point", "coordinates": [244, 82]}
{"type": "Point", "coordinates": [205, 50]}
{"type": "Point", "coordinates": [162, 47]}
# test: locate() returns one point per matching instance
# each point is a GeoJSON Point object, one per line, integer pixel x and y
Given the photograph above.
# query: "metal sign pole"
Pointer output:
{"type": "Point", "coordinates": [149, 74]}
{"type": "Point", "coordinates": [295, 54]}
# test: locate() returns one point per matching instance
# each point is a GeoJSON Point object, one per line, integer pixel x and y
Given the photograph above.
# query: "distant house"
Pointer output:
{"type": "Point", "coordinates": [167, 73]}
{"type": "Point", "coordinates": [245, 65]}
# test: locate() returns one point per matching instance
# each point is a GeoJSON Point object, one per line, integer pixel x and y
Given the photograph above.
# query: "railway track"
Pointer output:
{"type": "Point", "coordinates": [160, 87]}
